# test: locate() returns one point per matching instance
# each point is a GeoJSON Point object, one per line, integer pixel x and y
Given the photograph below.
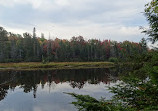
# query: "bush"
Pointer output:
{"type": "Point", "coordinates": [113, 59]}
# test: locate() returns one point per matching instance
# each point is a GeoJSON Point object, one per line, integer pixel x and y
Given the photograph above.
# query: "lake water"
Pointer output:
{"type": "Point", "coordinates": [43, 90]}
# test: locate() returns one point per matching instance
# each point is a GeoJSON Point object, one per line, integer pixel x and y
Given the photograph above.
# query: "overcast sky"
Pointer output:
{"type": "Point", "coordinates": [102, 19]}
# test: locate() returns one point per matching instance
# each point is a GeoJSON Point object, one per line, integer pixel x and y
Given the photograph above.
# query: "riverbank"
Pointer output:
{"type": "Point", "coordinates": [53, 65]}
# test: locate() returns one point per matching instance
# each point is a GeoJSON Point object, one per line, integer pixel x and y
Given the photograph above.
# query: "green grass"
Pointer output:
{"type": "Point", "coordinates": [53, 65]}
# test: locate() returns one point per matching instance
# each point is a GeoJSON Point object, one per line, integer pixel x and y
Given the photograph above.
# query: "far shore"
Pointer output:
{"type": "Point", "coordinates": [54, 65]}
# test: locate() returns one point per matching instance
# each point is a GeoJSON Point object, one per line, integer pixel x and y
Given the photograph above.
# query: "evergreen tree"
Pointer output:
{"type": "Point", "coordinates": [3, 44]}
{"type": "Point", "coordinates": [151, 13]}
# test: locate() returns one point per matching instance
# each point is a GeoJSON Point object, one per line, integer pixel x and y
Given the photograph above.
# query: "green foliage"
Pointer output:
{"type": "Point", "coordinates": [151, 13]}
{"type": "Point", "coordinates": [140, 86]}
{"type": "Point", "coordinates": [87, 103]}
{"type": "Point", "coordinates": [3, 34]}
{"type": "Point", "coordinates": [113, 59]}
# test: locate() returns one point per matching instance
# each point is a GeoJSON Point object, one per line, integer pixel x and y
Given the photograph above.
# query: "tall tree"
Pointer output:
{"type": "Point", "coordinates": [151, 13]}
{"type": "Point", "coordinates": [36, 46]}
{"type": "Point", "coordinates": [3, 43]}
{"type": "Point", "coordinates": [28, 47]}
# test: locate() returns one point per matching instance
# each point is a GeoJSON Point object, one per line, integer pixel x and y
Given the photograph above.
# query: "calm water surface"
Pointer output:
{"type": "Point", "coordinates": [43, 90]}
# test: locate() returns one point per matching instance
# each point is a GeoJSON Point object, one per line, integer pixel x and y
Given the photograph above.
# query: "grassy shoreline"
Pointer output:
{"type": "Point", "coordinates": [54, 65]}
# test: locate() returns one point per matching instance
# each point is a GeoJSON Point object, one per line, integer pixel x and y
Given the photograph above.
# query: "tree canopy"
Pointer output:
{"type": "Point", "coordinates": [30, 48]}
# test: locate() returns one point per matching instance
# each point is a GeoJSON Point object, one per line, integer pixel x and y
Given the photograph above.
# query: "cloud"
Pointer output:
{"type": "Point", "coordinates": [115, 19]}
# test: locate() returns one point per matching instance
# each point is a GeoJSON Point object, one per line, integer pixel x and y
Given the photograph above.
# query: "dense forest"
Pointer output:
{"type": "Point", "coordinates": [30, 48]}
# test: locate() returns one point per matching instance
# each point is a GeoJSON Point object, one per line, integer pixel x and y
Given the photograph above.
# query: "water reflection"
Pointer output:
{"type": "Point", "coordinates": [33, 82]}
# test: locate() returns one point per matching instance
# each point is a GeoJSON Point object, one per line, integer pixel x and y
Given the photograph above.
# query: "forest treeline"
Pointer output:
{"type": "Point", "coordinates": [30, 48]}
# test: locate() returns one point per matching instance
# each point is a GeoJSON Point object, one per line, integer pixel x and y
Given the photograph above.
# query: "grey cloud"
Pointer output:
{"type": "Point", "coordinates": [70, 14]}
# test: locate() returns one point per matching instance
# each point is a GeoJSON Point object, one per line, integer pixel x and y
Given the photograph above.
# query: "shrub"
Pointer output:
{"type": "Point", "coordinates": [113, 59]}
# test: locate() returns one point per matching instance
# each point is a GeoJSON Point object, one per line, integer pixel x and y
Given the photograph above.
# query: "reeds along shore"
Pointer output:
{"type": "Point", "coordinates": [54, 65]}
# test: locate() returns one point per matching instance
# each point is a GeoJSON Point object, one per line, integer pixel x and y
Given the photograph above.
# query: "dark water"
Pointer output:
{"type": "Point", "coordinates": [43, 90]}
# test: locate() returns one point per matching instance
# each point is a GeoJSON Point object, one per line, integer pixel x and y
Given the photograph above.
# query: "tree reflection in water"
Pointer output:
{"type": "Point", "coordinates": [30, 80]}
